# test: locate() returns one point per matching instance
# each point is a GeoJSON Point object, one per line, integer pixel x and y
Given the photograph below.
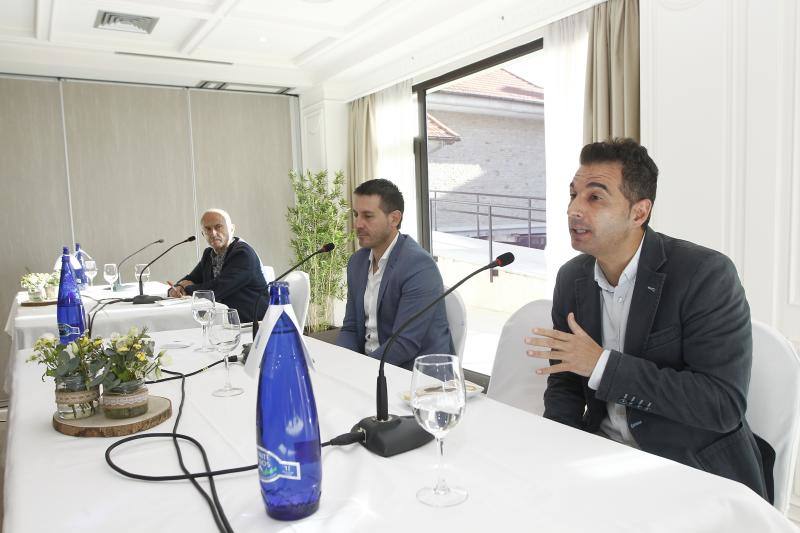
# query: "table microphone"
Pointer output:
{"type": "Point", "coordinates": [325, 249]}
{"type": "Point", "coordinates": [386, 434]}
{"type": "Point", "coordinates": [118, 281]}
{"type": "Point", "coordinates": [143, 298]}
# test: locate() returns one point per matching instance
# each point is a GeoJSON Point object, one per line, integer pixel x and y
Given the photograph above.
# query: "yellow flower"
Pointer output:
{"type": "Point", "coordinates": [141, 357]}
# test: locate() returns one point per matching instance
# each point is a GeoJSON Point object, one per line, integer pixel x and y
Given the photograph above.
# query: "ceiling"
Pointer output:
{"type": "Point", "coordinates": [350, 47]}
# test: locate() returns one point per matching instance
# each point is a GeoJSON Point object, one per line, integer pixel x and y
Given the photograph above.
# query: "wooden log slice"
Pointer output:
{"type": "Point", "coordinates": [159, 409]}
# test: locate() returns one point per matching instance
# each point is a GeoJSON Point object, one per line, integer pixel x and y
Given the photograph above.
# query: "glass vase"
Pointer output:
{"type": "Point", "coordinates": [73, 399]}
{"type": "Point", "coordinates": [126, 400]}
{"type": "Point", "coordinates": [36, 294]}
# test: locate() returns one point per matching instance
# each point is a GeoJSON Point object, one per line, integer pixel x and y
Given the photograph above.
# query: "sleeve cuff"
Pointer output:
{"type": "Point", "coordinates": [599, 368]}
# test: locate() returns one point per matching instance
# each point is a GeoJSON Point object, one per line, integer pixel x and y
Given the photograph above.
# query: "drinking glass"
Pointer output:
{"type": "Point", "coordinates": [90, 269]}
{"type": "Point", "coordinates": [203, 313]}
{"type": "Point", "coordinates": [225, 334]}
{"type": "Point", "coordinates": [110, 273]}
{"type": "Point", "coordinates": [438, 400]}
{"type": "Point", "coordinates": [137, 270]}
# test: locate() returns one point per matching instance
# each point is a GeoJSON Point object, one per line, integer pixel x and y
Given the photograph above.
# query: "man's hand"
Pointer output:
{"type": "Point", "coordinates": [577, 350]}
{"type": "Point", "coordinates": [177, 291]}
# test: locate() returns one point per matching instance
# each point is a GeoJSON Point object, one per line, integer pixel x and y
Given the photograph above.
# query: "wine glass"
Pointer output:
{"type": "Point", "coordinates": [225, 334]}
{"type": "Point", "coordinates": [203, 313]}
{"type": "Point", "coordinates": [90, 269]}
{"type": "Point", "coordinates": [438, 400]}
{"type": "Point", "coordinates": [110, 273]}
{"type": "Point", "coordinates": [137, 271]}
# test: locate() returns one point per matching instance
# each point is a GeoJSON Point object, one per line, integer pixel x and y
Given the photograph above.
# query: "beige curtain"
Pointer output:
{"type": "Point", "coordinates": [612, 72]}
{"type": "Point", "coordinates": [362, 147]}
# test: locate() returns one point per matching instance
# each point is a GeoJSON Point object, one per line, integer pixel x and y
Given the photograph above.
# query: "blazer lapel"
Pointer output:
{"type": "Point", "coordinates": [646, 293]}
{"type": "Point", "coordinates": [587, 303]}
{"type": "Point", "coordinates": [393, 258]}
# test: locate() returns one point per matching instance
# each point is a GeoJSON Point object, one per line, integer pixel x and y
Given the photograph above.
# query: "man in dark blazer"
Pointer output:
{"type": "Point", "coordinates": [388, 280]}
{"type": "Point", "coordinates": [229, 267]}
{"type": "Point", "coordinates": [652, 343]}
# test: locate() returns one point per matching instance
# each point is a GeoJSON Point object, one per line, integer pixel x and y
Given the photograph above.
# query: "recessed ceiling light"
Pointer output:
{"type": "Point", "coordinates": [262, 39]}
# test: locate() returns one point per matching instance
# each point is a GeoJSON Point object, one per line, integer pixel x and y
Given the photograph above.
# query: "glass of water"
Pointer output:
{"type": "Point", "coordinates": [203, 313]}
{"type": "Point", "coordinates": [438, 400]}
{"type": "Point", "coordinates": [90, 269]}
{"type": "Point", "coordinates": [225, 334]}
{"type": "Point", "coordinates": [110, 273]}
{"type": "Point", "coordinates": [139, 269]}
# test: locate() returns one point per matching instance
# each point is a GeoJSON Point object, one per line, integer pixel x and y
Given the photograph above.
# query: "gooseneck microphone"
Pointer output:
{"type": "Point", "coordinates": [386, 434]}
{"type": "Point", "coordinates": [142, 298]}
{"type": "Point", "coordinates": [118, 281]}
{"type": "Point", "coordinates": [325, 249]}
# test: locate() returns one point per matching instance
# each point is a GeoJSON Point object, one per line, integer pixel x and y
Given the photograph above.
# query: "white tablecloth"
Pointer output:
{"type": "Point", "coordinates": [26, 324]}
{"type": "Point", "coordinates": [523, 473]}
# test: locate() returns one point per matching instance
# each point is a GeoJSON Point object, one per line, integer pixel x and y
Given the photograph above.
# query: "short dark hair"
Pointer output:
{"type": "Point", "coordinates": [639, 171]}
{"type": "Point", "coordinates": [391, 197]}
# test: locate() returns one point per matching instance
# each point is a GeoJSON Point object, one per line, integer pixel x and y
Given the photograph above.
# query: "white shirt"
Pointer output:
{"type": "Point", "coordinates": [371, 298]}
{"type": "Point", "coordinates": [615, 305]}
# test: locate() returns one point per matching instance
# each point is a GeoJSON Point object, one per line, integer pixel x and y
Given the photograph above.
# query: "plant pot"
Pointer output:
{"type": "Point", "coordinates": [73, 400]}
{"type": "Point", "coordinates": [51, 292]}
{"type": "Point", "coordinates": [126, 400]}
{"type": "Point", "coordinates": [36, 294]}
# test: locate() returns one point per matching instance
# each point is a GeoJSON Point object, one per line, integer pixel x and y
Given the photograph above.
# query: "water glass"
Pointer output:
{"type": "Point", "coordinates": [438, 400]}
{"type": "Point", "coordinates": [203, 313]}
{"type": "Point", "coordinates": [90, 269]}
{"type": "Point", "coordinates": [110, 273]}
{"type": "Point", "coordinates": [138, 270]}
{"type": "Point", "coordinates": [226, 334]}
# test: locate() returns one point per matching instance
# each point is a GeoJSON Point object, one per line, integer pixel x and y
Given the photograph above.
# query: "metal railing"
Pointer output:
{"type": "Point", "coordinates": [488, 209]}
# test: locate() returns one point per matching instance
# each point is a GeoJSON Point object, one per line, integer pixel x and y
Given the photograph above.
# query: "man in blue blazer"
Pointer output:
{"type": "Point", "coordinates": [652, 345]}
{"type": "Point", "coordinates": [388, 280]}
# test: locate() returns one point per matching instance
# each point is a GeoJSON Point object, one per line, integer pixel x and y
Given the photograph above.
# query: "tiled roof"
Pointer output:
{"type": "Point", "coordinates": [499, 84]}
{"type": "Point", "coordinates": [438, 131]}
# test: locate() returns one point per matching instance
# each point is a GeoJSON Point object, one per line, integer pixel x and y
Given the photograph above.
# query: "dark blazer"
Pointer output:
{"type": "Point", "coordinates": [686, 367]}
{"type": "Point", "coordinates": [411, 281]}
{"type": "Point", "coordinates": [239, 282]}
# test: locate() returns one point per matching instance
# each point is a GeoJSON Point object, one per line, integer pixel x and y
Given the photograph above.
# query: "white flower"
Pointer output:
{"type": "Point", "coordinates": [72, 350]}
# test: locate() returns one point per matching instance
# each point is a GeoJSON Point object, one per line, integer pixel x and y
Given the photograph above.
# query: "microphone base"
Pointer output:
{"type": "Point", "coordinates": [146, 299]}
{"type": "Point", "coordinates": [398, 434]}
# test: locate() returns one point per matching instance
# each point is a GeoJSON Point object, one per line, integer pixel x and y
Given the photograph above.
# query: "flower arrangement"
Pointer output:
{"type": "Point", "coordinates": [53, 279]}
{"type": "Point", "coordinates": [81, 358]}
{"type": "Point", "coordinates": [34, 281]}
{"type": "Point", "coordinates": [130, 357]}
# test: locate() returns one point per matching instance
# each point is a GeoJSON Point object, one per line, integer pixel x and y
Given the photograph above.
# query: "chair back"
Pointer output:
{"type": "Point", "coordinates": [773, 404]}
{"type": "Point", "coordinates": [457, 320]}
{"type": "Point", "coordinates": [269, 273]}
{"type": "Point", "coordinates": [514, 380]}
{"type": "Point", "coordinates": [299, 295]}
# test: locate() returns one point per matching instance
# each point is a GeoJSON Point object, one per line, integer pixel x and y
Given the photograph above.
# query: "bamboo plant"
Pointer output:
{"type": "Point", "coordinates": [320, 216]}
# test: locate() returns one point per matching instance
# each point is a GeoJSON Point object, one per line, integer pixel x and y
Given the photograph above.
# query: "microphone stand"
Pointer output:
{"type": "Point", "coordinates": [386, 434]}
{"type": "Point", "coordinates": [143, 298]}
{"type": "Point", "coordinates": [118, 282]}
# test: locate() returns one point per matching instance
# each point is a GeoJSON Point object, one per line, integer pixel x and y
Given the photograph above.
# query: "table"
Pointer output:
{"type": "Point", "coordinates": [26, 324]}
{"type": "Point", "coordinates": [522, 472]}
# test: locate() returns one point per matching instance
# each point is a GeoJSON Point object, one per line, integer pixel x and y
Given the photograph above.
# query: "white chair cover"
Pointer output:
{"type": "Point", "coordinates": [457, 320]}
{"type": "Point", "coordinates": [269, 273]}
{"type": "Point", "coordinates": [299, 294]}
{"type": "Point", "coordinates": [773, 404]}
{"type": "Point", "coordinates": [514, 380]}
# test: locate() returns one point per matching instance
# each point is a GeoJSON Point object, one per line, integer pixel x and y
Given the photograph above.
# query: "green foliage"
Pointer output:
{"type": "Point", "coordinates": [82, 357]}
{"type": "Point", "coordinates": [320, 216]}
{"type": "Point", "coordinates": [129, 357]}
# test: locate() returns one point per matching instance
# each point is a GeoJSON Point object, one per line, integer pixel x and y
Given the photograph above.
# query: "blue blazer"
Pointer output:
{"type": "Point", "coordinates": [411, 281]}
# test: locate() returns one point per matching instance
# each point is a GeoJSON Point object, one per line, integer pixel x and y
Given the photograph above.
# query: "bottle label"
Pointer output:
{"type": "Point", "coordinates": [65, 330]}
{"type": "Point", "coordinates": [272, 468]}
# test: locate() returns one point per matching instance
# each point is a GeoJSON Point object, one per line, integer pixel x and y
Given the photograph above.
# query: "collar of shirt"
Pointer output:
{"type": "Point", "coordinates": [385, 257]}
{"type": "Point", "coordinates": [628, 275]}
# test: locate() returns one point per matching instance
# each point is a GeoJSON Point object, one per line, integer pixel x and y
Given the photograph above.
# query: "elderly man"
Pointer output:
{"type": "Point", "coordinates": [229, 267]}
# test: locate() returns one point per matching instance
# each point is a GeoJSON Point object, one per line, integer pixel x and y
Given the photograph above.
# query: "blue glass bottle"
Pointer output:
{"type": "Point", "coordinates": [289, 460]}
{"type": "Point", "coordinates": [69, 310]}
{"type": "Point", "coordinates": [80, 275]}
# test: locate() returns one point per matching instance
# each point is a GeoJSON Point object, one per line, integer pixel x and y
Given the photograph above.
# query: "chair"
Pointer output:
{"type": "Point", "coordinates": [773, 404]}
{"type": "Point", "coordinates": [514, 380]}
{"type": "Point", "coordinates": [299, 294]}
{"type": "Point", "coordinates": [457, 320]}
{"type": "Point", "coordinates": [269, 273]}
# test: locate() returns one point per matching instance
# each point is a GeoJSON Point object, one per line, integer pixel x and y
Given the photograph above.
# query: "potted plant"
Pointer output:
{"type": "Point", "coordinates": [74, 367]}
{"type": "Point", "coordinates": [127, 360]}
{"type": "Point", "coordinates": [320, 216]}
{"type": "Point", "coordinates": [34, 283]}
